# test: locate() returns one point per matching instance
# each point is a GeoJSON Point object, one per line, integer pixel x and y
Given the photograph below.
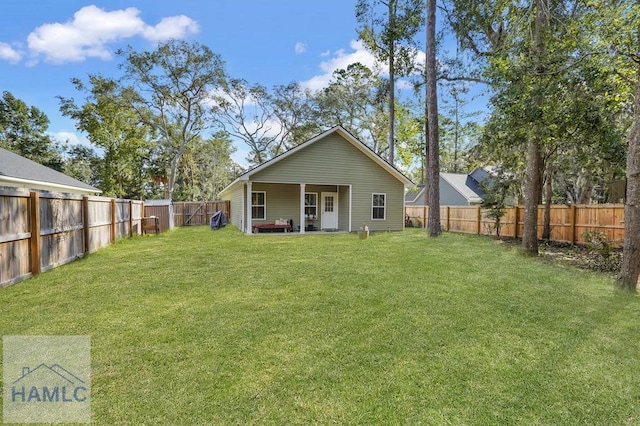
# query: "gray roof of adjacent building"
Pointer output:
{"type": "Point", "coordinates": [465, 185]}
{"type": "Point", "coordinates": [17, 170]}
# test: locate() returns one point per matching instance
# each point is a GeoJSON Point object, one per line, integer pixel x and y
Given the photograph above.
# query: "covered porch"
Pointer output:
{"type": "Point", "coordinates": [305, 207]}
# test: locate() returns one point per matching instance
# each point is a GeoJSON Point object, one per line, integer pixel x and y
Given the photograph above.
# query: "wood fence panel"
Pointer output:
{"type": "Point", "coordinates": [178, 214]}
{"type": "Point", "coordinates": [59, 248]}
{"type": "Point", "coordinates": [508, 224]}
{"type": "Point", "coordinates": [99, 222]}
{"type": "Point", "coordinates": [608, 219]}
{"type": "Point", "coordinates": [15, 261]}
{"type": "Point", "coordinates": [61, 229]}
{"type": "Point", "coordinates": [568, 223]}
{"type": "Point", "coordinates": [464, 220]}
{"type": "Point", "coordinates": [59, 213]}
{"type": "Point", "coordinates": [163, 213]}
{"type": "Point", "coordinates": [14, 214]}
{"type": "Point", "coordinates": [215, 206]}
{"type": "Point", "coordinates": [136, 217]}
{"type": "Point", "coordinates": [558, 221]}
{"type": "Point", "coordinates": [122, 218]}
{"type": "Point", "coordinates": [198, 212]}
{"type": "Point", "coordinates": [15, 234]}
{"type": "Point", "coordinates": [40, 230]}
{"type": "Point", "coordinates": [189, 213]}
{"type": "Point", "coordinates": [416, 214]}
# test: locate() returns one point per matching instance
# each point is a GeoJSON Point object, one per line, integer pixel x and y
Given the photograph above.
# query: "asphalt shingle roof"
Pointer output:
{"type": "Point", "coordinates": [465, 185]}
{"type": "Point", "coordinates": [15, 166]}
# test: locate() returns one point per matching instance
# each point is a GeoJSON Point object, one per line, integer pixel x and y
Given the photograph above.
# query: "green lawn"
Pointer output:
{"type": "Point", "coordinates": [214, 327]}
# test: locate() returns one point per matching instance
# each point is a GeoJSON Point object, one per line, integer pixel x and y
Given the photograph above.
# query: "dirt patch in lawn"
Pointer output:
{"type": "Point", "coordinates": [593, 258]}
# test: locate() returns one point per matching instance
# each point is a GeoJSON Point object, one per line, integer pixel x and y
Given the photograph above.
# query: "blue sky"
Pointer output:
{"type": "Point", "coordinates": [45, 43]}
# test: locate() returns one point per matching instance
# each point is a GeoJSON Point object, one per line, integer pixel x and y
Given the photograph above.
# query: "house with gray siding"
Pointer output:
{"type": "Point", "coordinates": [456, 189]}
{"type": "Point", "coordinates": [332, 182]}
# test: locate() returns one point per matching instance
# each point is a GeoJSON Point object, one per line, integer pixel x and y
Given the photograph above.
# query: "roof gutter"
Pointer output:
{"type": "Point", "coordinates": [30, 183]}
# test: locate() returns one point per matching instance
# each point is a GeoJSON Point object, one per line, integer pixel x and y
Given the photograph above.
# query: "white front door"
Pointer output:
{"type": "Point", "coordinates": [329, 210]}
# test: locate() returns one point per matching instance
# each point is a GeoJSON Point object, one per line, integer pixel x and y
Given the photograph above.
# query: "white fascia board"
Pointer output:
{"type": "Point", "coordinates": [48, 186]}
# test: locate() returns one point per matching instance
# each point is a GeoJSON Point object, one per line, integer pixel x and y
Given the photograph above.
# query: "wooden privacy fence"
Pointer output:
{"type": "Point", "coordinates": [42, 230]}
{"type": "Point", "coordinates": [568, 223]}
{"type": "Point", "coordinates": [198, 212]}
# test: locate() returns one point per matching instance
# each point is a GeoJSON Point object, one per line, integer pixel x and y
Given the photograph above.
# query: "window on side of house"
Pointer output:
{"type": "Point", "coordinates": [310, 205]}
{"type": "Point", "coordinates": [378, 206]}
{"type": "Point", "coordinates": [259, 205]}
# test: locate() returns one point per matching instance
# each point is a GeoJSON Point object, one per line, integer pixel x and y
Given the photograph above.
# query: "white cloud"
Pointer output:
{"type": "Point", "coordinates": [172, 27]}
{"type": "Point", "coordinates": [71, 138]}
{"type": "Point", "coordinates": [300, 48]}
{"type": "Point", "coordinates": [92, 29]}
{"type": "Point", "coordinates": [267, 128]}
{"type": "Point", "coordinates": [8, 53]}
{"type": "Point", "coordinates": [340, 60]}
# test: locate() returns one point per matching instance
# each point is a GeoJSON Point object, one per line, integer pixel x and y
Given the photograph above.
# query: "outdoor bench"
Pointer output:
{"type": "Point", "coordinates": [270, 227]}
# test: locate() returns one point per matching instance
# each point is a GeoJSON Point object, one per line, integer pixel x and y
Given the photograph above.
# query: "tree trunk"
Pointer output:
{"type": "Point", "coordinates": [433, 142]}
{"type": "Point", "coordinates": [172, 177]}
{"type": "Point", "coordinates": [531, 197]}
{"type": "Point", "coordinates": [630, 268]}
{"type": "Point", "coordinates": [533, 184]}
{"type": "Point", "coordinates": [392, 89]}
{"type": "Point", "coordinates": [584, 187]}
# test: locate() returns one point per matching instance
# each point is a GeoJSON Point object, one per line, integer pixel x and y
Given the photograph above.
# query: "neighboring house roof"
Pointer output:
{"type": "Point", "coordinates": [414, 194]}
{"type": "Point", "coordinates": [465, 185]}
{"type": "Point", "coordinates": [18, 171]}
{"type": "Point", "coordinates": [483, 173]}
{"type": "Point", "coordinates": [342, 132]}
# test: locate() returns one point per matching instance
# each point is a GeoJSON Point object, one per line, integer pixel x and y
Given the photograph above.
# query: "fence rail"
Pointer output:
{"type": "Point", "coordinates": [198, 212]}
{"type": "Point", "coordinates": [568, 223]}
{"type": "Point", "coordinates": [42, 230]}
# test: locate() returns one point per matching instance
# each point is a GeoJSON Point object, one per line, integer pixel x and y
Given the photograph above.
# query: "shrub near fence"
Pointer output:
{"type": "Point", "coordinates": [42, 230]}
{"type": "Point", "coordinates": [568, 223]}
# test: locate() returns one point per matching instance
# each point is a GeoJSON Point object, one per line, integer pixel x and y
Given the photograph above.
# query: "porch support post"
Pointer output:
{"type": "Point", "coordinates": [350, 207]}
{"type": "Point", "coordinates": [249, 220]}
{"type": "Point", "coordinates": [302, 221]}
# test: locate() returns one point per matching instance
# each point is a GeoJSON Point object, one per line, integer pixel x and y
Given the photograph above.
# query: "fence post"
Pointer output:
{"type": "Point", "coordinates": [515, 222]}
{"type": "Point", "coordinates": [479, 217]}
{"type": "Point", "coordinates": [85, 225]}
{"type": "Point", "coordinates": [572, 223]}
{"type": "Point", "coordinates": [113, 220]}
{"type": "Point", "coordinates": [35, 232]}
{"type": "Point", "coordinates": [424, 217]}
{"type": "Point", "coordinates": [448, 220]}
{"type": "Point", "coordinates": [130, 218]}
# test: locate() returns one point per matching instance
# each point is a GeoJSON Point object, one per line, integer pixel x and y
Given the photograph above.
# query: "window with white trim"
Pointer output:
{"type": "Point", "coordinates": [259, 205]}
{"type": "Point", "coordinates": [311, 205]}
{"type": "Point", "coordinates": [378, 206]}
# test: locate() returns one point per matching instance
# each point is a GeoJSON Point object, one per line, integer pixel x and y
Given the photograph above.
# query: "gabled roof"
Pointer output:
{"type": "Point", "coordinates": [16, 170]}
{"type": "Point", "coordinates": [414, 194]}
{"type": "Point", "coordinates": [342, 132]}
{"type": "Point", "coordinates": [465, 185]}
